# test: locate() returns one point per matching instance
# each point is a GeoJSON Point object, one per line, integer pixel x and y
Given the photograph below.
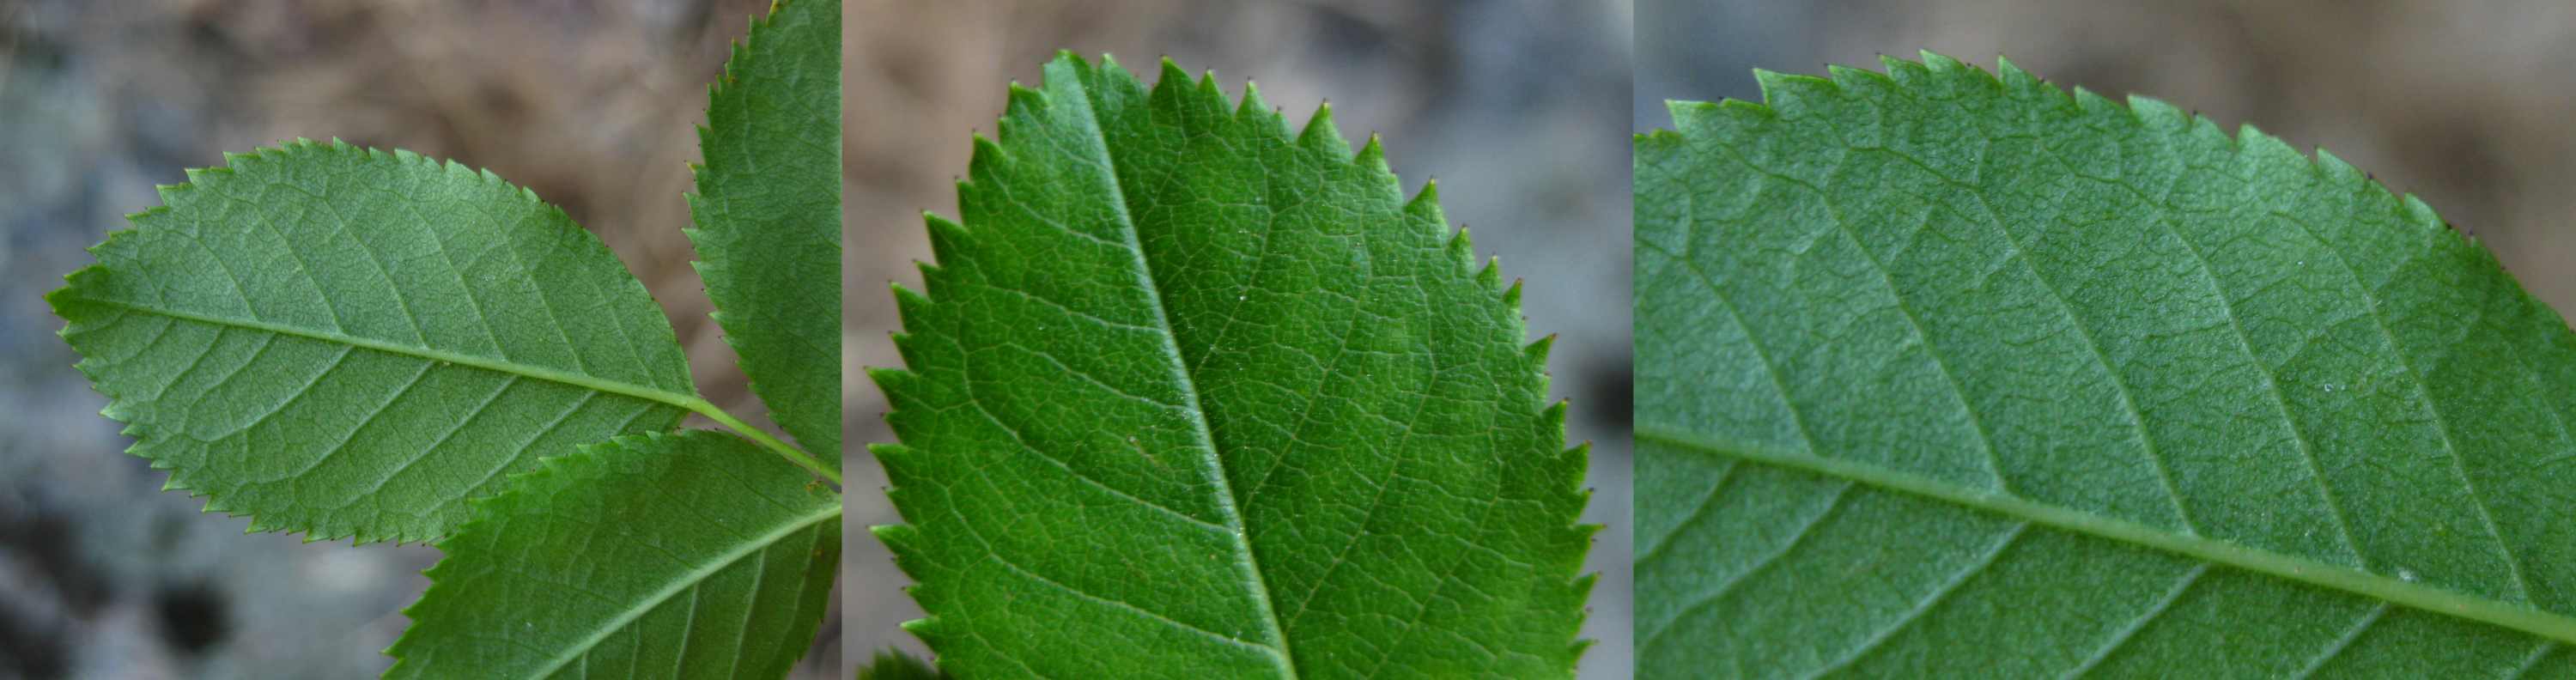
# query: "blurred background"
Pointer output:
{"type": "Point", "coordinates": [2465, 104]}
{"type": "Point", "coordinates": [1516, 105]}
{"type": "Point", "coordinates": [588, 102]}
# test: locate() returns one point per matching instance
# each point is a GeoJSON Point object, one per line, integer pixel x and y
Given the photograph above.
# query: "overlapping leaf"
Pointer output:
{"type": "Point", "coordinates": [694, 555]}
{"type": "Point", "coordinates": [1214, 396]}
{"type": "Point", "coordinates": [1948, 374]}
{"type": "Point", "coordinates": [349, 342]}
{"type": "Point", "coordinates": [768, 212]}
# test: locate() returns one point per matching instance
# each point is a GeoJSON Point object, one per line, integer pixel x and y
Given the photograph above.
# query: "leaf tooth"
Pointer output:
{"type": "Point", "coordinates": [987, 159]}
{"type": "Point", "coordinates": [2157, 115]}
{"type": "Point", "coordinates": [1319, 136]}
{"type": "Point", "coordinates": [1425, 204]}
{"type": "Point", "coordinates": [1791, 91]}
{"type": "Point", "coordinates": [151, 212]}
{"type": "Point", "coordinates": [1462, 247]}
{"type": "Point", "coordinates": [1707, 119]}
{"type": "Point", "coordinates": [1859, 78]}
{"type": "Point", "coordinates": [1205, 89]}
{"type": "Point", "coordinates": [2334, 168]}
{"type": "Point", "coordinates": [1583, 584]}
{"type": "Point", "coordinates": [1252, 107]}
{"type": "Point", "coordinates": [1491, 275]}
{"type": "Point", "coordinates": [1023, 103]}
{"type": "Point", "coordinates": [945, 227]}
{"type": "Point", "coordinates": [1553, 417]}
{"type": "Point", "coordinates": [1372, 157]}
{"type": "Point", "coordinates": [1942, 64]}
{"type": "Point", "coordinates": [1899, 69]}
{"type": "Point", "coordinates": [913, 308]}
{"type": "Point", "coordinates": [901, 538]}
{"type": "Point", "coordinates": [1537, 350]}
{"type": "Point", "coordinates": [892, 380]}
{"type": "Point", "coordinates": [2422, 215]}
{"type": "Point", "coordinates": [2015, 79]}
{"type": "Point", "coordinates": [909, 301]}
{"type": "Point", "coordinates": [2266, 151]}
{"type": "Point", "coordinates": [932, 630]}
{"type": "Point", "coordinates": [949, 242]}
{"type": "Point", "coordinates": [2094, 104]}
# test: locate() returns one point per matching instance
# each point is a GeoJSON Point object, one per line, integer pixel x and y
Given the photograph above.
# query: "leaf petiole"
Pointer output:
{"type": "Point", "coordinates": [791, 453]}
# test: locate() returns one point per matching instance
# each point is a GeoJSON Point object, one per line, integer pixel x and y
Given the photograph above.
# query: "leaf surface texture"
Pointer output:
{"type": "Point", "coordinates": [768, 213]}
{"type": "Point", "coordinates": [1218, 397]}
{"type": "Point", "coordinates": [1945, 373]}
{"type": "Point", "coordinates": [691, 555]}
{"type": "Point", "coordinates": [352, 343]}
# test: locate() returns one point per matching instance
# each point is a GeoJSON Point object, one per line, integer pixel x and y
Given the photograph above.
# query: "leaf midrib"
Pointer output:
{"type": "Point", "coordinates": [684, 582]}
{"type": "Point", "coordinates": [683, 401]}
{"type": "Point", "coordinates": [1211, 465]}
{"type": "Point", "coordinates": [2280, 565]}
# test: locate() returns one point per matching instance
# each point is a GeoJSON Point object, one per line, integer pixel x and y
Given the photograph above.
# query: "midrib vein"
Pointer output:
{"type": "Point", "coordinates": [684, 582]}
{"type": "Point", "coordinates": [2300, 569]}
{"type": "Point", "coordinates": [1211, 466]}
{"type": "Point", "coordinates": [683, 401]}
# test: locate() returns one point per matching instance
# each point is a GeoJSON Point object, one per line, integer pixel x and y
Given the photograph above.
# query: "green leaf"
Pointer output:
{"type": "Point", "coordinates": [348, 342]}
{"type": "Point", "coordinates": [695, 555]}
{"type": "Point", "coordinates": [896, 665]}
{"type": "Point", "coordinates": [768, 210]}
{"type": "Point", "coordinates": [1216, 397]}
{"type": "Point", "coordinates": [1955, 375]}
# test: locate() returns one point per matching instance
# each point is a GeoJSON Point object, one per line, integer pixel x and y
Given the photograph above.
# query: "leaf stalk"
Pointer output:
{"type": "Point", "coordinates": [758, 436]}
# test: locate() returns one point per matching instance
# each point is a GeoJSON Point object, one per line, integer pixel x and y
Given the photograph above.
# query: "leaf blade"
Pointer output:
{"type": "Point", "coordinates": [768, 215]}
{"type": "Point", "coordinates": [328, 360]}
{"type": "Point", "coordinates": [631, 526]}
{"type": "Point", "coordinates": [1202, 284]}
{"type": "Point", "coordinates": [2241, 351]}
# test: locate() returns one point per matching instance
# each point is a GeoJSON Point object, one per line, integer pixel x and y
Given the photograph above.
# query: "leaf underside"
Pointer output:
{"type": "Point", "coordinates": [352, 343]}
{"type": "Point", "coordinates": [768, 213]}
{"type": "Point", "coordinates": [1217, 397]}
{"type": "Point", "coordinates": [1957, 375]}
{"type": "Point", "coordinates": [690, 555]}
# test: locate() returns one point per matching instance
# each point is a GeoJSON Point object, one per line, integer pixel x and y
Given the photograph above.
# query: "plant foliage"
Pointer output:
{"type": "Point", "coordinates": [1945, 373]}
{"type": "Point", "coordinates": [351, 343]}
{"type": "Point", "coordinates": [1216, 396]}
